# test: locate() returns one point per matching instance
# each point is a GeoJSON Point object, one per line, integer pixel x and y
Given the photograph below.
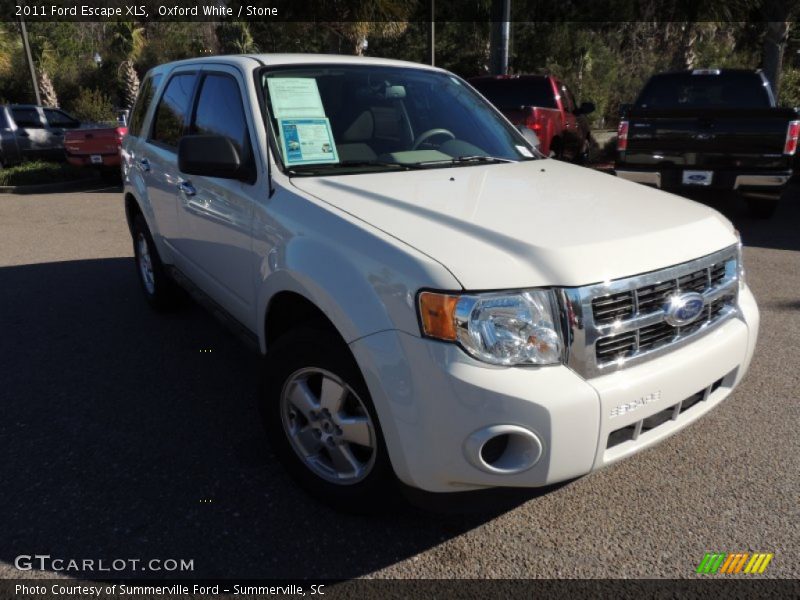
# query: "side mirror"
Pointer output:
{"type": "Point", "coordinates": [624, 108]}
{"type": "Point", "coordinates": [211, 156]}
{"type": "Point", "coordinates": [586, 108]}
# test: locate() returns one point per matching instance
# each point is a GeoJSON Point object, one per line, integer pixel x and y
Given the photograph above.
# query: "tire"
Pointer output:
{"type": "Point", "coordinates": [761, 208]}
{"type": "Point", "coordinates": [313, 439]}
{"type": "Point", "coordinates": [583, 155]}
{"type": "Point", "coordinates": [160, 291]}
{"type": "Point", "coordinates": [556, 151]}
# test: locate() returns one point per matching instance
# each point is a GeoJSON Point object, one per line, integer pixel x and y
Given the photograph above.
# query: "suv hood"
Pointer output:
{"type": "Point", "coordinates": [528, 224]}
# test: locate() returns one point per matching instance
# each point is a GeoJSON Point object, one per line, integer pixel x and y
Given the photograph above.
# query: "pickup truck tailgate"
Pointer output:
{"type": "Point", "coordinates": [81, 142]}
{"type": "Point", "coordinates": [712, 139]}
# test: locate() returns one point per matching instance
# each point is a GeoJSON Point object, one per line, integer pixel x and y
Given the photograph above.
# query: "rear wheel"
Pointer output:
{"type": "Point", "coordinates": [761, 208]}
{"type": "Point", "coordinates": [161, 292]}
{"type": "Point", "coordinates": [321, 423]}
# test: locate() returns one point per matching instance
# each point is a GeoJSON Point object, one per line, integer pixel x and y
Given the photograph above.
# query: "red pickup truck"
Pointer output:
{"type": "Point", "coordinates": [545, 105]}
{"type": "Point", "coordinates": [97, 147]}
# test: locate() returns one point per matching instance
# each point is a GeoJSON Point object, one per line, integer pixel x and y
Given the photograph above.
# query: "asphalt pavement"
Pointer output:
{"type": "Point", "coordinates": [127, 434]}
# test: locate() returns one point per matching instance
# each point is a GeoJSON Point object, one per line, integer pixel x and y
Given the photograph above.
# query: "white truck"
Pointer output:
{"type": "Point", "coordinates": [436, 303]}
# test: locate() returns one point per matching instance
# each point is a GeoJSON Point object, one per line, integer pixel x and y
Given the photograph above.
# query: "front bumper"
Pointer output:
{"type": "Point", "coordinates": [432, 400]}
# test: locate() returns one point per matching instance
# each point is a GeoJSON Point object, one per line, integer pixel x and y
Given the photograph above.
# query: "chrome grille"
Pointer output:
{"type": "Point", "coordinates": [614, 324]}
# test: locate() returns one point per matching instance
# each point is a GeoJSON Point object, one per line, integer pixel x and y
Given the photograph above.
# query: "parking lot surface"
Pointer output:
{"type": "Point", "coordinates": [127, 434]}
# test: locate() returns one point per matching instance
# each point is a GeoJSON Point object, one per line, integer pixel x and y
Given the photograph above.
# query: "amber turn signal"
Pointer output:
{"type": "Point", "coordinates": [438, 315]}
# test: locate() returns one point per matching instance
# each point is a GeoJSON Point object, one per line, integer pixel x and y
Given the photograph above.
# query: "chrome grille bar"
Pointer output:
{"type": "Point", "coordinates": [619, 323]}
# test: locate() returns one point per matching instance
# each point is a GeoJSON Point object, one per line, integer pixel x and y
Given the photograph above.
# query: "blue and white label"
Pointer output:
{"type": "Point", "coordinates": [307, 141]}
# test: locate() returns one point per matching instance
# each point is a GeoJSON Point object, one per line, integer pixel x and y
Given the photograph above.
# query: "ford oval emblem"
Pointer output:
{"type": "Point", "coordinates": [682, 310]}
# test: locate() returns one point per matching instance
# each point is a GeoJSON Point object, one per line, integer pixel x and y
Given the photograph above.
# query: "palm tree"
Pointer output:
{"type": "Point", "coordinates": [384, 18]}
{"type": "Point", "coordinates": [235, 38]}
{"type": "Point", "coordinates": [127, 43]}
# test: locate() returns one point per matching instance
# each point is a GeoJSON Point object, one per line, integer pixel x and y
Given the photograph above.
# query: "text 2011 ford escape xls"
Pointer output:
{"type": "Point", "coordinates": [436, 303]}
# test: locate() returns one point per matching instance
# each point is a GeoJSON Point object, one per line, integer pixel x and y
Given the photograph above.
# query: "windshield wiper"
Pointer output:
{"type": "Point", "coordinates": [463, 160]}
{"type": "Point", "coordinates": [352, 163]}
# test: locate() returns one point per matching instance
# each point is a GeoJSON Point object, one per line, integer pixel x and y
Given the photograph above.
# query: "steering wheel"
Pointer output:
{"type": "Point", "coordinates": [425, 136]}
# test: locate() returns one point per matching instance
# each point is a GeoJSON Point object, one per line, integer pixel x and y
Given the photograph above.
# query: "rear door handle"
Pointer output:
{"type": "Point", "coordinates": [187, 188]}
{"type": "Point", "coordinates": [144, 165]}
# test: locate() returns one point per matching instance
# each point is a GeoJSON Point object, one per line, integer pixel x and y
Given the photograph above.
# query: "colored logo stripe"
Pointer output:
{"type": "Point", "coordinates": [736, 562]}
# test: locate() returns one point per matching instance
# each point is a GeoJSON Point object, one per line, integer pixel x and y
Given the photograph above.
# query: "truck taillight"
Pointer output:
{"type": "Point", "coordinates": [532, 122]}
{"type": "Point", "coordinates": [121, 131]}
{"type": "Point", "coordinates": [622, 136]}
{"type": "Point", "coordinates": [792, 134]}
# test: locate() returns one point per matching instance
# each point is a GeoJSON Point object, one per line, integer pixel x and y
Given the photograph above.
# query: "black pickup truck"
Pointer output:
{"type": "Point", "coordinates": [710, 128]}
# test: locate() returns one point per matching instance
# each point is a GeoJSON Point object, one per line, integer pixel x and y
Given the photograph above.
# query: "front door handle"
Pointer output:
{"type": "Point", "coordinates": [187, 188]}
{"type": "Point", "coordinates": [144, 165]}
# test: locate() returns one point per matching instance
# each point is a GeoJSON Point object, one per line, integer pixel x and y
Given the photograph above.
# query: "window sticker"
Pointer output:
{"type": "Point", "coordinates": [307, 141]}
{"type": "Point", "coordinates": [524, 151]}
{"type": "Point", "coordinates": [295, 97]}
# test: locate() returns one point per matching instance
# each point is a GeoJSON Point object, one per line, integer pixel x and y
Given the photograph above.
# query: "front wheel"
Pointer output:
{"type": "Point", "coordinates": [321, 423]}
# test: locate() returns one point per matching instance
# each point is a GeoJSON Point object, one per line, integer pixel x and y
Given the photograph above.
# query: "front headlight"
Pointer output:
{"type": "Point", "coordinates": [507, 328]}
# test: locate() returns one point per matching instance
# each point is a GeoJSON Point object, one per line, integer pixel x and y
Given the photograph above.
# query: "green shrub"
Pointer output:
{"type": "Point", "coordinates": [37, 172]}
{"type": "Point", "coordinates": [94, 106]}
{"type": "Point", "coordinates": [790, 88]}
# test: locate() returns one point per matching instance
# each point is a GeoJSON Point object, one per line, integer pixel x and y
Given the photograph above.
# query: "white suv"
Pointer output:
{"type": "Point", "coordinates": [436, 302]}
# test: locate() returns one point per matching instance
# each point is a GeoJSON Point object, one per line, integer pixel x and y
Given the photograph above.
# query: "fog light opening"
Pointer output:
{"type": "Point", "coordinates": [503, 449]}
{"type": "Point", "coordinates": [493, 450]}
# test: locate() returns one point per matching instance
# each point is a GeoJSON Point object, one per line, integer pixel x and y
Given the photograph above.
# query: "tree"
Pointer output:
{"type": "Point", "coordinates": [46, 90]}
{"type": "Point", "coordinates": [130, 84]}
{"type": "Point", "coordinates": [127, 41]}
{"type": "Point", "coordinates": [235, 38]}
{"type": "Point", "coordinates": [93, 106]}
{"type": "Point", "coordinates": [384, 18]}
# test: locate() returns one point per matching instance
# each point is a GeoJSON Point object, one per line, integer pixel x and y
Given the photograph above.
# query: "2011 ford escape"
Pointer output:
{"type": "Point", "coordinates": [436, 303]}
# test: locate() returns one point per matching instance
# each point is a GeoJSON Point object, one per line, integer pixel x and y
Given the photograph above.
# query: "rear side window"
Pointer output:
{"type": "Point", "coordinates": [220, 112]}
{"type": "Point", "coordinates": [27, 117]}
{"type": "Point", "coordinates": [57, 118]}
{"type": "Point", "coordinates": [143, 101]}
{"type": "Point", "coordinates": [171, 119]}
{"type": "Point", "coordinates": [685, 90]}
{"type": "Point", "coordinates": [515, 93]}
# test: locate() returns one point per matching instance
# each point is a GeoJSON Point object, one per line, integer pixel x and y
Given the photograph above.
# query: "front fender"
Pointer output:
{"type": "Point", "coordinates": [363, 280]}
{"type": "Point", "coordinates": [359, 297]}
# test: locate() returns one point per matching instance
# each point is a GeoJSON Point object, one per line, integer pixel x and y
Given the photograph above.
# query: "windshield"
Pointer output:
{"type": "Point", "coordinates": [365, 118]}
